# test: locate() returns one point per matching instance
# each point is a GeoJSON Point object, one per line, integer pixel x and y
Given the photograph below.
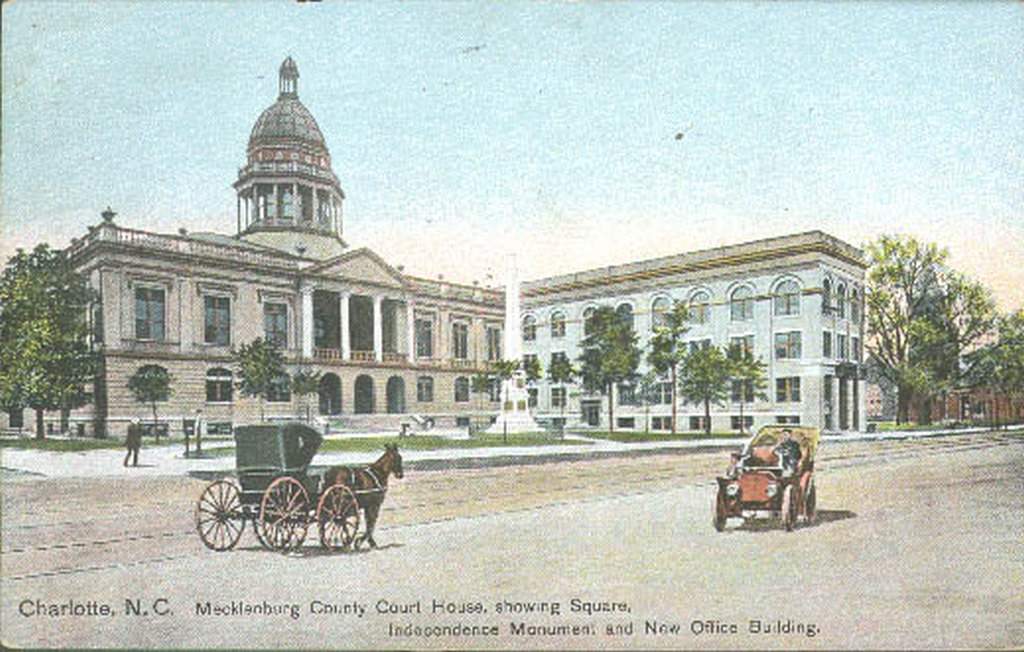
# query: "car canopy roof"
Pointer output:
{"type": "Point", "coordinates": [771, 435]}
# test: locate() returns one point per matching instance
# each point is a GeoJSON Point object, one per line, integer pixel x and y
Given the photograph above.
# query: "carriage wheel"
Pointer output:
{"type": "Point", "coordinates": [284, 514]}
{"type": "Point", "coordinates": [218, 515]}
{"type": "Point", "coordinates": [338, 517]}
{"type": "Point", "coordinates": [720, 512]}
{"type": "Point", "coordinates": [811, 504]}
{"type": "Point", "coordinates": [788, 508]}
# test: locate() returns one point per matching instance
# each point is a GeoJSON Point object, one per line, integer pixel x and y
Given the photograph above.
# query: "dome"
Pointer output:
{"type": "Point", "coordinates": [287, 119]}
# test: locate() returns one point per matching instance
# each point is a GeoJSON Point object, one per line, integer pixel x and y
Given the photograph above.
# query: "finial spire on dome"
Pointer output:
{"type": "Point", "coordinates": [289, 78]}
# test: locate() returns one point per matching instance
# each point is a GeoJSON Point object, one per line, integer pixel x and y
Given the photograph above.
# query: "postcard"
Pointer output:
{"type": "Point", "coordinates": [512, 325]}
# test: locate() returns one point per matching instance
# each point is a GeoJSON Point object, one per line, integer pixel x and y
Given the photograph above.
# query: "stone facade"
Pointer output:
{"type": "Point", "coordinates": [805, 288]}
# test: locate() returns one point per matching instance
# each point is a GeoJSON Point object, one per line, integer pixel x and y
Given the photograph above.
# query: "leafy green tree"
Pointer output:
{"type": "Point", "coordinates": [306, 383]}
{"type": "Point", "coordinates": [999, 365]}
{"type": "Point", "coordinates": [45, 359]}
{"type": "Point", "coordinates": [648, 393]}
{"type": "Point", "coordinates": [151, 384]}
{"type": "Point", "coordinates": [668, 349]}
{"type": "Point", "coordinates": [532, 369]}
{"type": "Point", "coordinates": [922, 318]}
{"type": "Point", "coordinates": [562, 372]}
{"type": "Point", "coordinates": [610, 355]}
{"type": "Point", "coordinates": [260, 369]}
{"type": "Point", "coordinates": [704, 379]}
{"type": "Point", "coordinates": [750, 372]}
{"type": "Point", "coordinates": [480, 384]}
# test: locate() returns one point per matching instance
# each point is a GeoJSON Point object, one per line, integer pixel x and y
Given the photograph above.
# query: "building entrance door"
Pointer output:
{"type": "Point", "coordinates": [591, 412]}
{"type": "Point", "coordinates": [844, 415]}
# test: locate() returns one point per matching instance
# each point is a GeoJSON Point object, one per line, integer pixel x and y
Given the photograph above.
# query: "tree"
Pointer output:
{"type": "Point", "coordinates": [648, 392]}
{"type": "Point", "coordinates": [610, 355]}
{"type": "Point", "coordinates": [750, 373]}
{"type": "Point", "coordinates": [305, 383]}
{"type": "Point", "coordinates": [480, 383]}
{"type": "Point", "coordinates": [532, 369]}
{"type": "Point", "coordinates": [260, 369]}
{"type": "Point", "coordinates": [1000, 364]}
{"type": "Point", "coordinates": [704, 379]}
{"type": "Point", "coordinates": [668, 348]}
{"type": "Point", "coordinates": [151, 384]}
{"type": "Point", "coordinates": [922, 318]}
{"type": "Point", "coordinates": [45, 359]}
{"type": "Point", "coordinates": [561, 372]}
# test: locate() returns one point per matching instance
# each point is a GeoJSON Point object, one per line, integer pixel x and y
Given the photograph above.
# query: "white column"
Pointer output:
{"type": "Point", "coordinates": [410, 326]}
{"type": "Point", "coordinates": [378, 328]}
{"type": "Point", "coordinates": [307, 322]}
{"type": "Point", "coordinates": [346, 340]}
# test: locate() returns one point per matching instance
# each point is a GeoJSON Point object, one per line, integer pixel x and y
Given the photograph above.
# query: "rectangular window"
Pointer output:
{"type": "Point", "coordinates": [826, 344]}
{"type": "Point", "coordinates": [788, 420]}
{"type": "Point", "coordinates": [531, 393]}
{"type": "Point", "coordinates": [218, 320]}
{"type": "Point", "coordinates": [858, 355]}
{"type": "Point", "coordinates": [787, 346]}
{"type": "Point", "coordinates": [275, 323]}
{"type": "Point", "coordinates": [743, 391]}
{"type": "Point", "coordinates": [149, 314]}
{"type": "Point", "coordinates": [665, 393]}
{"type": "Point", "coordinates": [218, 386]}
{"type": "Point", "coordinates": [700, 345]}
{"type": "Point", "coordinates": [697, 423]}
{"type": "Point", "coordinates": [746, 423]}
{"type": "Point", "coordinates": [280, 390]}
{"type": "Point", "coordinates": [424, 338]}
{"type": "Point", "coordinates": [558, 397]}
{"type": "Point", "coordinates": [493, 343]}
{"type": "Point", "coordinates": [97, 323]}
{"type": "Point", "coordinates": [661, 423]}
{"type": "Point", "coordinates": [627, 394]}
{"type": "Point", "coordinates": [841, 345]}
{"type": "Point", "coordinates": [628, 423]}
{"type": "Point", "coordinates": [494, 390]}
{"type": "Point", "coordinates": [460, 341]}
{"type": "Point", "coordinates": [741, 346]}
{"type": "Point", "coordinates": [461, 390]}
{"type": "Point", "coordinates": [425, 389]}
{"type": "Point", "coordinates": [787, 390]}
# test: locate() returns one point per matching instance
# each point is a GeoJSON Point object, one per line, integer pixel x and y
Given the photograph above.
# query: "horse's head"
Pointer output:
{"type": "Point", "coordinates": [395, 459]}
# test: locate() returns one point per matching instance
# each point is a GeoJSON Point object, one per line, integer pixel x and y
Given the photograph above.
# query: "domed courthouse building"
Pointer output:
{"type": "Point", "coordinates": [391, 346]}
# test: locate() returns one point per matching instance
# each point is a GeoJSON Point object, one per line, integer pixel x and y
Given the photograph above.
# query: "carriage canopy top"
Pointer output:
{"type": "Point", "coordinates": [283, 447]}
{"type": "Point", "coordinates": [771, 435]}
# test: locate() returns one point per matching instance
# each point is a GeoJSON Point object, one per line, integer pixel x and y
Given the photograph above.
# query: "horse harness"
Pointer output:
{"type": "Point", "coordinates": [379, 487]}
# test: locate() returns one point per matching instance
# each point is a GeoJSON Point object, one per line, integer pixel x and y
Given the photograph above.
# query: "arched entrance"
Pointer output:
{"type": "Point", "coordinates": [330, 394]}
{"type": "Point", "coordinates": [363, 398]}
{"type": "Point", "coordinates": [396, 395]}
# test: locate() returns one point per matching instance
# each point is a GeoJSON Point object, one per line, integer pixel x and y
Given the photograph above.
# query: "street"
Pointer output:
{"type": "Point", "coordinates": [918, 545]}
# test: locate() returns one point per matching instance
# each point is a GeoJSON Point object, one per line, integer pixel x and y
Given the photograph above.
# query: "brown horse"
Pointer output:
{"type": "Point", "coordinates": [369, 484]}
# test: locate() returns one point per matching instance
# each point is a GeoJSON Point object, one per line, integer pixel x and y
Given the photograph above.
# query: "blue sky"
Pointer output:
{"type": "Point", "coordinates": [461, 132]}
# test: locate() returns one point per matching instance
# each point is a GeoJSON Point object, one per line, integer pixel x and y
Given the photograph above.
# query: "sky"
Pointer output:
{"type": "Point", "coordinates": [574, 135]}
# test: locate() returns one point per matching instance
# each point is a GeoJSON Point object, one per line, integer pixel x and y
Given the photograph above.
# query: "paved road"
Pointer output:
{"type": "Point", "coordinates": [919, 545]}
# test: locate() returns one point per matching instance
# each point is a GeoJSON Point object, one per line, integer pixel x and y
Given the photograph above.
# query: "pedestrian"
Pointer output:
{"type": "Point", "coordinates": [199, 432]}
{"type": "Point", "coordinates": [133, 442]}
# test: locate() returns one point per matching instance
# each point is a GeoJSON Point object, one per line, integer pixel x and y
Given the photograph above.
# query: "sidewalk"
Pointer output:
{"type": "Point", "coordinates": [169, 460]}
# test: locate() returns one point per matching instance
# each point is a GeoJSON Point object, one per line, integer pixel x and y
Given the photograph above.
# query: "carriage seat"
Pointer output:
{"type": "Point", "coordinates": [762, 456]}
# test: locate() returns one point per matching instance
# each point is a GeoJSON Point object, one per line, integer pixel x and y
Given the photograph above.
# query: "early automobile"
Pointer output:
{"type": "Point", "coordinates": [773, 475]}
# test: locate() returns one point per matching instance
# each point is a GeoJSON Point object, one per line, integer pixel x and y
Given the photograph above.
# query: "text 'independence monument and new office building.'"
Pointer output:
{"type": "Point", "coordinates": [390, 345]}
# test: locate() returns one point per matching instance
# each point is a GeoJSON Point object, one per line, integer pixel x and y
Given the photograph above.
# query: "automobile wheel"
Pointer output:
{"type": "Point", "coordinates": [719, 520]}
{"type": "Point", "coordinates": [788, 508]}
{"type": "Point", "coordinates": [810, 504]}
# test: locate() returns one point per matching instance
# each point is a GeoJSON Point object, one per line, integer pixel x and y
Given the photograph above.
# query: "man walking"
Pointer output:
{"type": "Point", "coordinates": [133, 442]}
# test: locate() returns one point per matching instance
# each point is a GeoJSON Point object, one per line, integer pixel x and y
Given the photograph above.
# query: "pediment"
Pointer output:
{"type": "Point", "coordinates": [361, 265]}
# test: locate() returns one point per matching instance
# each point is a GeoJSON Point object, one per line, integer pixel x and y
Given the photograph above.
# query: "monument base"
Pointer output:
{"type": "Point", "coordinates": [515, 416]}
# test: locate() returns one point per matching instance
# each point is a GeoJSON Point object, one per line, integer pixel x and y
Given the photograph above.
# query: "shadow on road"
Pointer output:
{"type": "Point", "coordinates": [823, 517]}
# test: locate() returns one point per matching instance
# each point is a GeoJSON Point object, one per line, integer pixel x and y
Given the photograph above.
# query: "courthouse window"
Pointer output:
{"type": "Point", "coordinates": [424, 338]}
{"type": "Point", "coordinates": [700, 308]}
{"type": "Point", "coordinates": [558, 324]}
{"type": "Point", "coordinates": [529, 328]}
{"type": "Point", "coordinates": [787, 390]}
{"type": "Point", "coordinates": [741, 306]}
{"type": "Point", "coordinates": [787, 298]}
{"type": "Point", "coordinates": [460, 341]}
{"type": "Point", "coordinates": [659, 313]}
{"type": "Point", "coordinates": [742, 346]}
{"type": "Point", "coordinates": [425, 389]}
{"type": "Point", "coordinates": [275, 323]}
{"type": "Point", "coordinates": [625, 314]}
{"type": "Point", "coordinates": [826, 344]}
{"type": "Point", "coordinates": [218, 386]}
{"type": "Point", "coordinates": [494, 343]}
{"type": "Point", "coordinates": [461, 389]}
{"type": "Point", "coordinates": [149, 314]}
{"type": "Point", "coordinates": [218, 320]}
{"type": "Point", "coordinates": [557, 397]}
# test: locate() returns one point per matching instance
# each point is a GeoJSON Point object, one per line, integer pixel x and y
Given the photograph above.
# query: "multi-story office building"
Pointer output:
{"type": "Point", "coordinates": [795, 302]}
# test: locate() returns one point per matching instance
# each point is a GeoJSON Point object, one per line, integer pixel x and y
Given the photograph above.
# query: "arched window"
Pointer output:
{"type": "Point", "coordinates": [659, 312]}
{"type": "Point", "coordinates": [826, 296]}
{"type": "Point", "coordinates": [854, 306]}
{"type": "Point", "coordinates": [218, 385]}
{"type": "Point", "coordinates": [741, 304]}
{"type": "Point", "coordinates": [529, 328]}
{"type": "Point", "coordinates": [787, 298]}
{"type": "Point", "coordinates": [461, 389]}
{"type": "Point", "coordinates": [625, 313]}
{"type": "Point", "coordinates": [587, 314]}
{"type": "Point", "coordinates": [841, 300]}
{"type": "Point", "coordinates": [558, 324]}
{"type": "Point", "coordinates": [700, 307]}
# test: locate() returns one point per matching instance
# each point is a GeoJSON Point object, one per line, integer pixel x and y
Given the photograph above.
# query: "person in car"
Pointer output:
{"type": "Point", "coordinates": [788, 452]}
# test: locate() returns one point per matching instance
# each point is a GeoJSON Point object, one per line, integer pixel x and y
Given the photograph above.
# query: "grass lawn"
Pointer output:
{"type": "Point", "coordinates": [60, 445]}
{"type": "Point", "coordinates": [422, 443]}
{"type": "Point", "coordinates": [629, 437]}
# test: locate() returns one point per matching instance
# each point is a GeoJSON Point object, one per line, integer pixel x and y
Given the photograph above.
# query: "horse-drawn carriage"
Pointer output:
{"type": "Point", "coordinates": [766, 477]}
{"type": "Point", "coordinates": [276, 491]}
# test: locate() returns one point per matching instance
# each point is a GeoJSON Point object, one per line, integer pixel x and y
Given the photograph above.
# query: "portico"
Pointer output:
{"type": "Point", "coordinates": [357, 325]}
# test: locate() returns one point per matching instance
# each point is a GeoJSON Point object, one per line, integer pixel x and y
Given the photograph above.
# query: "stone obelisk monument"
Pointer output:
{"type": "Point", "coordinates": [515, 410]}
